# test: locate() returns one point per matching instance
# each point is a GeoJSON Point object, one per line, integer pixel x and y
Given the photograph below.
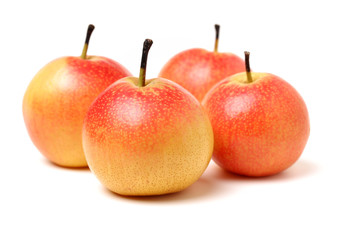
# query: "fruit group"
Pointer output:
{"type": "Point", "coordinates": [147, 137]}
{"type": "Point", "coordinates": [58, 98]}
{"type": "Point", "coordinates": [198, 70]}
{"type": "Point", "coordinates": [260, 123]}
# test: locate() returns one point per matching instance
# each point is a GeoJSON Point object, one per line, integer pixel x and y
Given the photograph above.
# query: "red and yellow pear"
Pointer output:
{"type": "Point", "coordinates": [58, 98]}
{"type": "Point", "coordinates": [260, 123]}
{"type": "Point", "coordinates": [147, 137]}
{"type": "Point", "coordinates": [198, 70]}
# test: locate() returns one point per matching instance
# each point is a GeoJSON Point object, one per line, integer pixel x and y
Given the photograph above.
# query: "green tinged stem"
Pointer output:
{"type": "Point", "coordinates": [146, 46]}
{"type": "Point", "coordinates": [87, 39]}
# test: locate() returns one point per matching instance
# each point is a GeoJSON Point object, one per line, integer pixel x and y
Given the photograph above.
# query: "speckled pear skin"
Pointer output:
{"type": "Point", "coordinates": [260, 128]}
{"type": "Point", "coordinates": [149, 140]}
{"type": "Point", "coordinates": [57, 100]}
{"type": "Point", "coordinates": [198, 70]}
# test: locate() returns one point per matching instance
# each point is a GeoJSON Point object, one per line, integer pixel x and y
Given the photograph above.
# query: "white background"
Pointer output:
{"type": "Point", "coordinates": [296, 40]}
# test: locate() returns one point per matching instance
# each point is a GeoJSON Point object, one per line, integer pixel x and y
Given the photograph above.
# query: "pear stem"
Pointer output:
{"type": "Point", "coordinates": [247, 66]}
{"type": "Point", "coordinates": [217, 29]}
{"type": "Point", "coordinates": [87, 39]}
{"type": "Point", "coordinates": [146, 46]}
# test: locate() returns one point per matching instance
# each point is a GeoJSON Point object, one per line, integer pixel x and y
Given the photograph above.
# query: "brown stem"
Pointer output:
{"type": "Point", "coordinates": [217, 29]}
{"type": "Point", "coordinates": [247, 66]}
